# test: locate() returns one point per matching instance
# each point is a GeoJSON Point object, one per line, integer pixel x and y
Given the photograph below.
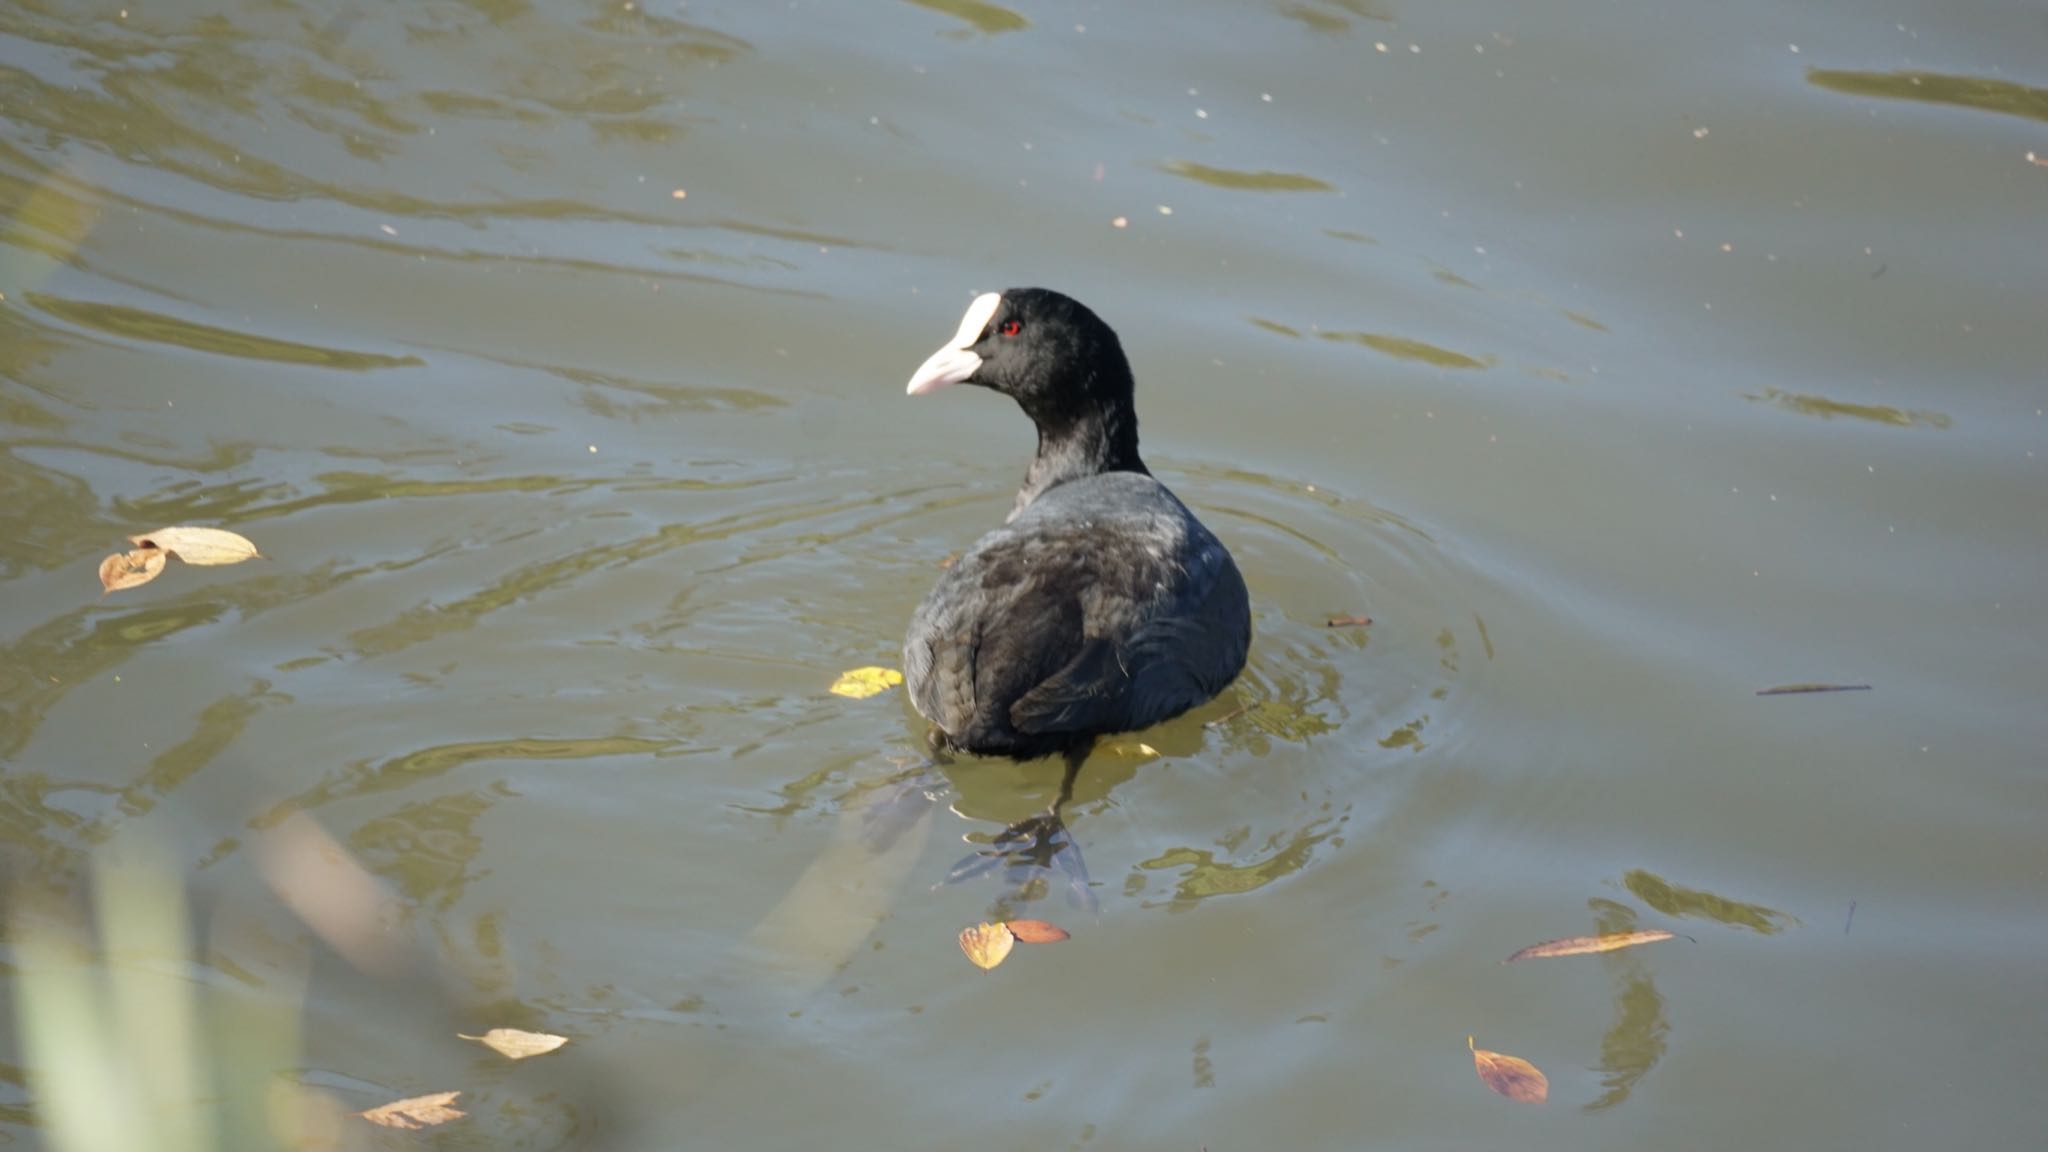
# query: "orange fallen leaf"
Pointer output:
{"type": "Point", "coordinates": [130, 569]}
{"type": "Point", "coordinates": [417, 1112]}
{"type": "Point", "coordinates": [986, 944]}
{"type": "Point", "coordinates": [1511, 1076]}
{"type": "Point", "coordinates": [202, 546]}
{"type": "Point", "coordinates": [1588, 945]}
{"type": "Point", "coordinates": [1037, 931]}
{"type": "Point", "coordinates": [514, 1044]}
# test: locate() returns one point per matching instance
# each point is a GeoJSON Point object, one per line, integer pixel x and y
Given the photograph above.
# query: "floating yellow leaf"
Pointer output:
{"type": "Point", "coordinates": [514, 1044]}
{"type": "Point", "coordinates": [1511, 1076]}
{"type": "Point", "coordinates": [1588, 945]}
{"type": "Point", "coordinates": [418, 1112]}
{"type": "Point", "coordinates": [202, 546]}
{"type": "Point", "coordinates": [864, 682]}
{"type": "Point", "coordinates": [129, 569]}
{"type": "Point", "coordinates": [1036, 931]}
{"type": "Point", "coordinates": [986, 944]}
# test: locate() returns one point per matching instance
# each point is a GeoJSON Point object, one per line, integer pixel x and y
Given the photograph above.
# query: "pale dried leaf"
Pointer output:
{"type": "Point", "coordinates": [1036, 931]}
{"type": "Point", "coordinates": [202, 546]}
{"type": "Point", "coordinates": [861, 683]}
{"type": "Point", "coordinates": [986, 944]}
{"type": "Point", "coordinates": [417, 1112]}
{"type": "Point", "coordinates": [1511, 1076]}
{"type": "Point", "coordinates": [130, 569]}
{"type": "Point", "coordinates": [514, 1044]}
{"type": "Point", "coordinates": [1588, 945]}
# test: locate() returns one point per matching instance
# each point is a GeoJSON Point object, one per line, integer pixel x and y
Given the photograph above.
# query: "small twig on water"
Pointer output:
{"type": "Point", "coordinates": [1220, 721]}
{"type": "Point", "coordinates": [1851, 918]}
{"type": "Point", "coordinates": [1797, 689]}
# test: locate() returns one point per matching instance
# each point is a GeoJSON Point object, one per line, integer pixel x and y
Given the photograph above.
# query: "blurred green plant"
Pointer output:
{"type": "Point", "coordinates": [126, 1045]}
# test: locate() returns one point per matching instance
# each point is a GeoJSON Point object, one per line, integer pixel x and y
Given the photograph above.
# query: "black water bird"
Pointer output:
{"type": "Point", "coordinates": [1102, 605]}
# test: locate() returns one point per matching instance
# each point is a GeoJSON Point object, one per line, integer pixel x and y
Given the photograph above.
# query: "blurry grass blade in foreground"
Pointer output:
{"type": "Point", "coordinates": [126, 1047]}
{"type": "Point", "coordinates": [111, 1036]}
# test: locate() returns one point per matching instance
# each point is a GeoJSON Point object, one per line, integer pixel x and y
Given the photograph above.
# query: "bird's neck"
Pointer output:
{"type": "Point", "coordinates": [1103, 440]}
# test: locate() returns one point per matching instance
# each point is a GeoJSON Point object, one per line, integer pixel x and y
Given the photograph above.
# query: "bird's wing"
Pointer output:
{"type": "Point", "coordinates": [1135, 669]}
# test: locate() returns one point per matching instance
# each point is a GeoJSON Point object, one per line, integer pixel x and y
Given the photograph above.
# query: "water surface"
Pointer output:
{"type": "Point", "coordinates": [1616, 361]}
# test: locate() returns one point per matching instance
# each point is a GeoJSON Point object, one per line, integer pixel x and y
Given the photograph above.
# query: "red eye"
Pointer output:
{"type": "Point", "coordinates": [1010, 328]}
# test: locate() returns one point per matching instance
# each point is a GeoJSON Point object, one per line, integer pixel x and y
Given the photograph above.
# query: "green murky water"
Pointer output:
{"type": "Point", "coordinates": [1617, 361]}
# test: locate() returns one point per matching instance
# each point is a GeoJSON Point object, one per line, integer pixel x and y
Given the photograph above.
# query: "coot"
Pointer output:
{"type": "Point", "coordinates": [1102, 605]}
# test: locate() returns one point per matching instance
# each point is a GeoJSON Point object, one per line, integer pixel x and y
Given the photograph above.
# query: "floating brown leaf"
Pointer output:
{"type": "Point", "coordinates": [1036, 931]}
{"type": "Point", "coordinates": [129, 569]}
{"type": "Point", "coordinates": [514, 1044]}
{"type": "Point", "coordinates": [986, 944]}
{"type": "Point", "coordinates": [1348, 621]}
{"type": "Point", "coordinates": [202, 546]}
{"type": "Point", "coordinates": [418, 1112]}
{"type": "Point", "coordinates": [1511, 1076]}
{"type": "Point", "coordinates": [1588, 945]}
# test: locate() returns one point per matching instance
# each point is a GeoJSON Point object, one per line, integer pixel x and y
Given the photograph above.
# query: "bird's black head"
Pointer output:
{"type": "Point", "coordinates": [1046, 351]}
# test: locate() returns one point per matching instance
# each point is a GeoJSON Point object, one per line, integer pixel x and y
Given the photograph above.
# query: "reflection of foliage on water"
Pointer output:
{"type": "Point", "coordinates": [1349, 236]}
{"type": "Point", "coordinates": [221, 723]}
{"type": "Point", "coordinates": [1637, 1039]}
{"type": "Point", "coordinates": [1290, 720]}
{"type": "Point", "coordinates": [427, 849]}
{"type": "Point", "coordinates": [1672, 900]}
{"type": "Point", "coordinates": [364, 778]}
{"type": "Point", "coordinates": [1241, 180]}
{"type": "Point", "coordinates": [1289, 693]}
{"type": "Point", "coordinates": [1827, 409]}
{"type": "Point", "coordinates": [1935, 88]}
{"type": "Point", "coordinates": [1332, 17]}
{"type": "Point", "coordinates": [148, 89]}
{"type": "Point", "coordinates": [1407, 736]}
{"type": "Point", "coordinates": [77, 647]}
{"type": "Point", "coordinates": [988, 19]}
{"type": "Point", "coordinates": [157, 328]}
{"type": "Point", "coordinates": [658, 399]}
{"type": "Point", "coordinates": [426, 621]}
{"type": "Point", "coordinates": [1403, 348]}
{"type": "Point", "coordinates": [1285, 853]}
